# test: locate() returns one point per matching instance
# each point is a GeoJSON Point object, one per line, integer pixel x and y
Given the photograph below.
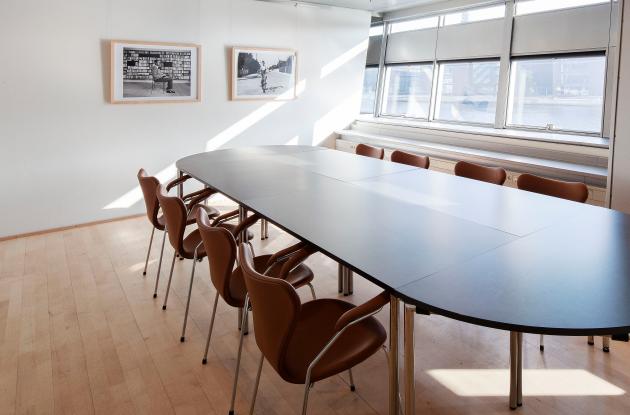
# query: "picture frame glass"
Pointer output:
{"type": "Point", "coordinates": [259, 73]}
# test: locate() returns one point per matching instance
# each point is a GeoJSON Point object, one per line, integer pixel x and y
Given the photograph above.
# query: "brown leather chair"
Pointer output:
{"type": "Point", "coordinates": [188, 247]}
{"type": "Point", "coordinates": [495, 175]}
{"type": "Point", "coordinates": [410, 159]}
{"type": "Point", "coordinates": [148, 185]}
{"type": "Point", "coordinates": [369, 151]}
{"type": "Point", "coordinates": [308, 342]}
{"type": "Point", "coordinates": [575, 191]}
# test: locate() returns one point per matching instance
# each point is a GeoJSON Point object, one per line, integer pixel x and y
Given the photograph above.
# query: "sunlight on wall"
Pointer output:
{"type": "Point", "coordinates": [344, 58]}
{"type": "Point", "coordinates": [135, 195]}
{"type": "Point", "coordinates": [536, 382]}
{"type": "Point", "coordinates": [339, 117]}
{"type": "Point", "coordinates": [245, 123]}
{"type": "Point", "coordinates": [294, 141]}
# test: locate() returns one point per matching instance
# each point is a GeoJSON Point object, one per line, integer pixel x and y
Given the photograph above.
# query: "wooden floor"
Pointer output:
{"type": "Point", "coordinates": [80, 333]}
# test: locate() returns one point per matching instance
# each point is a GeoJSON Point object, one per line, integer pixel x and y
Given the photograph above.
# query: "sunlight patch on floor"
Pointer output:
{"type": "Point", "coordinates": [536, 382]}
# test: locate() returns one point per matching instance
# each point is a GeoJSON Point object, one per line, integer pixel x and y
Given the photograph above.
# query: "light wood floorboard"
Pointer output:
{"type": "Point", "coordinates": [80, 333]}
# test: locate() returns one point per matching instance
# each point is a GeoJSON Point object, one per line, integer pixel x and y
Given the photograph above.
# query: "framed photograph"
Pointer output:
{"type": "Point", "coordinates": [154, 72]}
{"type": "Point", "coordinates": [259, 73]}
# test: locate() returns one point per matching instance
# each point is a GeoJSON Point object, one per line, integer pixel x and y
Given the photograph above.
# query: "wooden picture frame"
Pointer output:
{"type": "Point", "coordinates": [263, 73]}
{"type": "Point", "coordinates": [154, 72]}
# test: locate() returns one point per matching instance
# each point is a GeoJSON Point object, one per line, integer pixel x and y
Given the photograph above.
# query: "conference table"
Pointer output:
{"type": "Point", "coordinates": [487, 255]}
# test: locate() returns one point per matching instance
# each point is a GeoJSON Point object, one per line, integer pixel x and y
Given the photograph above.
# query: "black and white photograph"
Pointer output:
{"type": "Point", "coordinates": [263, 73]}
{"type": "Point", "coordinates": [154, 72]}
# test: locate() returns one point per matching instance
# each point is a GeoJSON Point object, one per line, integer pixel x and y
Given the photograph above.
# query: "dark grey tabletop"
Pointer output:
{"type": "Point", "coordinates": [476, 252]}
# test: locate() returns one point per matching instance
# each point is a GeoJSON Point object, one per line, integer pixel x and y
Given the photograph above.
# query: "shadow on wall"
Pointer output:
{"type": "Point", "coordinates": [107, 68]}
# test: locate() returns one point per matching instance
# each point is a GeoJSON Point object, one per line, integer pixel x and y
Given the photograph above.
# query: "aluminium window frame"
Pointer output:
{"type": "Point", "coordinates": [439, 65]}
{"type": "Point", "coordinates": [550, 56]}
{"type": "Point", "coordinates": [378, 68]}
{"type": "Point", "coordinates": [405, 117]}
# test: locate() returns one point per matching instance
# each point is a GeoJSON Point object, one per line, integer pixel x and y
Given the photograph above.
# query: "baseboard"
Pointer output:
{"type": "Point", "coordinates": [63, 228]}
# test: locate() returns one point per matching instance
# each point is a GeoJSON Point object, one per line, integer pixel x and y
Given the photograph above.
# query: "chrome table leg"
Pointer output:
{"type": "Point", "coordinates": [393, 356]}
{"type": "Point", "coordinates": [409, 364]}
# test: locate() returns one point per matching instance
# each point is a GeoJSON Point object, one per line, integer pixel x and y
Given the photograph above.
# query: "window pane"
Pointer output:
{"type": "Point", "coordinates": [475, 15]}
{"type": "Point", "coordinates": [558, 93]}
{"type": "Point", "coordinates": [535, 6]}
{"type": "Point", "coordinates": [408, 90]}
{"type": "Point", "coordinates": [417, 24]}
{"type": "Point", "coordinates": [370, 80]}
{"type": "Point", "coordinates": [376, 30]}
{"type": "Point", "coordinates": [467, 92]}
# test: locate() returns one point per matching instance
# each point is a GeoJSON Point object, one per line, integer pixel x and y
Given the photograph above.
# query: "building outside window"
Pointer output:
{"type": "Point", "coordinates": [467, 92]}
{"type": "Point", "coordinates": [370, 83]}
{"type": "Point", "coordinates": [408, 90]}
{"type": "Point", "coordinates": [561, 93]}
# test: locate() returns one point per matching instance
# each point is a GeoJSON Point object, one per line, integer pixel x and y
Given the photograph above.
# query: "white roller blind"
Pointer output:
{"type": "Point", "coordinates": [471, 40]}
{"type": "Point", "coordinates": [415, 46]}
{"type": "Point", "coordinates": [583, 28]}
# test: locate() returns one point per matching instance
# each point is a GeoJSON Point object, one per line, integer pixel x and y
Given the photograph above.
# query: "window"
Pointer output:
{"type": "Point", "coordinates": [562, 93]}
{"type": "Point", "coordinates": [376, 30]}
{"type": "Point", "coordinates": [467, 92]}
{"type": "Point", "coordinates": [475, 15]}
{"type": "Point", "coordinates": [536, 6]}
{"type": "Point", "coordinates": [408, 90]}
{"type": "Point", "coordinates": [370, 82]}
{"type": "Point", "coordinates": [417, 24]}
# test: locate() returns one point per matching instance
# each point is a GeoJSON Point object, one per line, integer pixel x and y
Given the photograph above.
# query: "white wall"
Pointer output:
{"type": "Point", "coordinates": [66, 153]}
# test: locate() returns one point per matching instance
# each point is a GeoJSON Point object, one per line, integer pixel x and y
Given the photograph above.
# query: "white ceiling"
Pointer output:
{"type": "Point", "coordinates": [371, 5]}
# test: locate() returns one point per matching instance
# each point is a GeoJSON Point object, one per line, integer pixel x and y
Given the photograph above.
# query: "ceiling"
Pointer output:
{"type": "Point", "coordinates": [371, 5]}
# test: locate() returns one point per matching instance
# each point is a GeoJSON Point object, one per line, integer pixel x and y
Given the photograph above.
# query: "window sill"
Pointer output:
{"type": "Point", "coordinates": [557, 138]}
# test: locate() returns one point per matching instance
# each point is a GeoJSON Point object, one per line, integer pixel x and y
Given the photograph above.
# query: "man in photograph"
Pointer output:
{"type": "Point", "coordinates": [159, 76]}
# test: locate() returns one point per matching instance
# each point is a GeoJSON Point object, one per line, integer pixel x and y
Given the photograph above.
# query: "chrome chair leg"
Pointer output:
{"type": "Point", "coordinates": [146, 261]}
{"type": "Point", "coordinates": [192, 278]}
{"type": "Point", "coordinates": [243, 323]}
{"type": "Point", "coordinates": [157, 278]}
{"type": "Point", "coordinates": [214, 313]}
{"type": "Point", "coordinates": [340, 275]}
{"type": "Point", "coordinates": [168, 285]}
{"type": "Point", "coordinates": [542, 343]}
{"type": "Point", "coordinates": [260, 365]}
{"type": "Point", "coordinates": [238, 358]}
{"type": "Point", "coordinates": [312, 291]}
{"type": "Point", "coordinates": [352, 387]}
{"type": "Point", "coordinates": [307, 389]}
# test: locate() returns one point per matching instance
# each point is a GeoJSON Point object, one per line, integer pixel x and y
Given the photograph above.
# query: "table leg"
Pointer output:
{"type": "Point", "coordinates": [409, 364]}
{"type": "Point", "coordinates": [516, 370]}
{"type": "Point", "coordinates": [180, 187]}
{"type": "Point", "coordinates": [393, 355]}
{"type": "Point", "coordinates": [340, 277]}
{"type": "Point", "coordinates": [242, 215]}
{"type": "Point", "coordinates": [350, 278]}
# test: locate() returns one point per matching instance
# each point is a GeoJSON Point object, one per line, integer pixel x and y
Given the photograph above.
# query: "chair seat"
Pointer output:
{"type": "Point", "coordinates": [298, 277]}
{"type": "Point", "coordinates": [191, 241]}
{"type": "Point", "coordinates": [316, 326]}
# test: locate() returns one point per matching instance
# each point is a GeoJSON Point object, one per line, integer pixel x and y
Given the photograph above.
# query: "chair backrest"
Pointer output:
{"type": "Point", "coordinates": [276, 308]}
{"type": "Point", "coordinates": [149, 185]}
{"type": "Point", "coordinates": [175, 215]}
{"type": "Point", "coordinates": [410, 159]}
{"type": "Point", "coordinates": [575, 191]}
{"type": "Point", "coordinates": [369, 151]}
{"type": "Point", "coordinates": [495, 175]}
{"type": "Point", "coordinates": [220, 246]}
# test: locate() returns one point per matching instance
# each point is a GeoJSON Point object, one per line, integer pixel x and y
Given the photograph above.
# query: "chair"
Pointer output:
{"type": "Point", "coordinates": [369, 151]}
{"type": "Point", "coordinates": [148, 185]}
{"type": "Point", "coordinates": [157, 81]}
{"type": "Point", "coordinates": [410, 159]}
{"type": "Point", "coordinates": [190, 246]}
{"type": "Point", "coordinates": [308, 342]}
{"type": "Point", "coordinates": [574, 191]}
{"type": "Point", "coordinates": [495, 175]}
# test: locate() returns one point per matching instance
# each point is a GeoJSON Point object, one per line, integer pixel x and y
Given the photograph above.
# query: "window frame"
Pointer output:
{"type": "Point", "coordinates": [436, 94]}
{"type": "Point", "coordinates": [600, 133]}
{"type": "Point", "coordinates": [378, 74]}
{"type": "Point", "coordinates": [517, 14]}
{"type": "Point", "coordinates": [384, 88]}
